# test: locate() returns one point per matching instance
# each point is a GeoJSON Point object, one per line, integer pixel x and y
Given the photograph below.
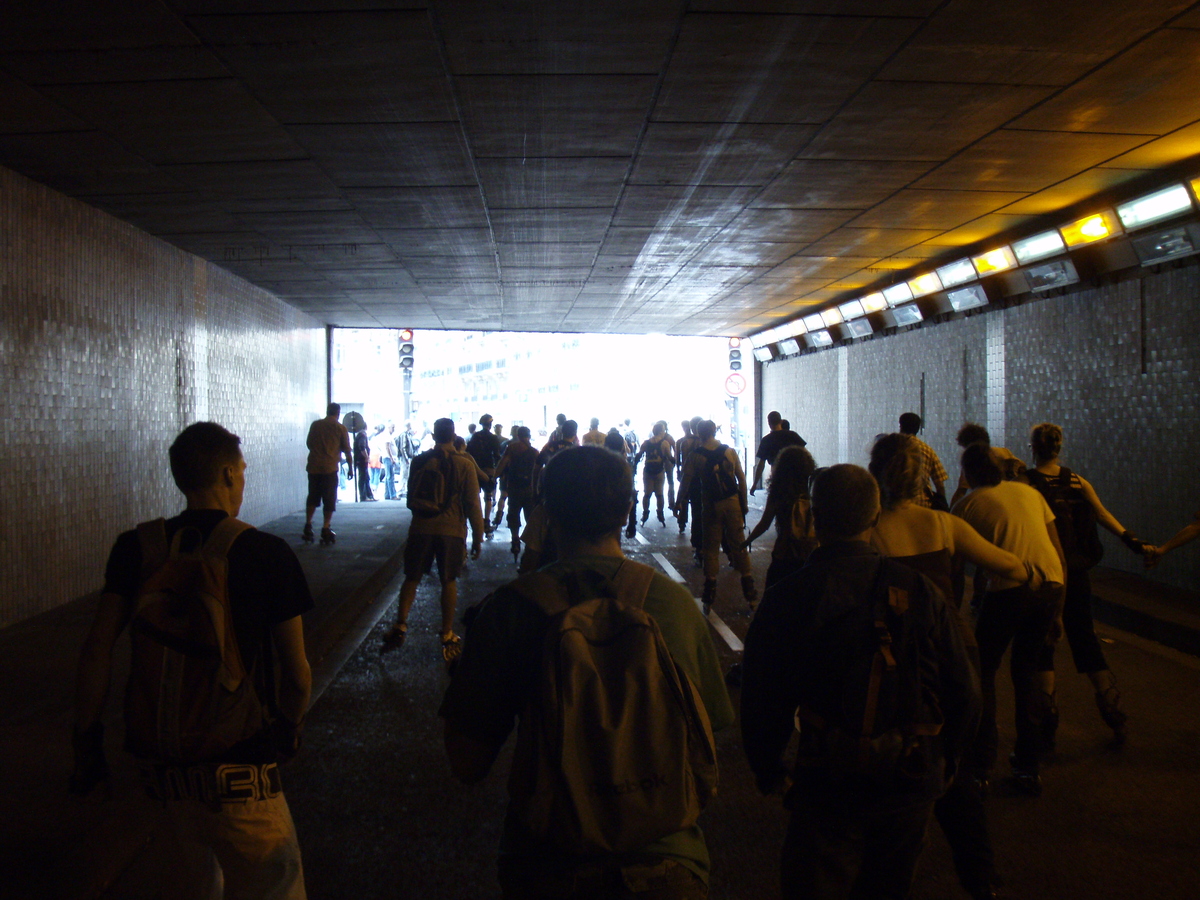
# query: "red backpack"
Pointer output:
{"type": "Point", "coordinates": [189, 697]}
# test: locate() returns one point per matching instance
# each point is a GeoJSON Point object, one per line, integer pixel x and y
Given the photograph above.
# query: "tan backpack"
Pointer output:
{"type": "Point", "coordinates": [615, 748]}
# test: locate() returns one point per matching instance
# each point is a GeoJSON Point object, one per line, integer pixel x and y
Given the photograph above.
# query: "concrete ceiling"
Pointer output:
{"type": "Point", "coordinates": [704, 167]}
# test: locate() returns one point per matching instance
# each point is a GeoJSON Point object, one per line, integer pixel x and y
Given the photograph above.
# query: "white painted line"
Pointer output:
{"type": "Point", "coordinates": [671, 571]}
{"type": "Point", "coordinates": [721, 628]}
{"type": "Point", "coordinates": [641, 538]}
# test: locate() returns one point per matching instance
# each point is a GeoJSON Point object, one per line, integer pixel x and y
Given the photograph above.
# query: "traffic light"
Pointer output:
{"type": "Point", "coordinates": [406, 349]}
{"type": "Point", "coordinates": [735, 353]}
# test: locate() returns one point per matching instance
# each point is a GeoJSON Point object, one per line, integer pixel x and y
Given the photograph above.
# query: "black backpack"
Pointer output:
{"type": "Point", "coordinates": [519, 473]}
{"type": "Point", "coordinates": [716, 480]}
{"type": "Point", "coordinates": [885, 727]}
{"type": "Point", "coordinates": [431, 483]}
{"type": "Point", "coordinates": [655, 457]}
{"type": "Point", "coordinates": [1074, 517]}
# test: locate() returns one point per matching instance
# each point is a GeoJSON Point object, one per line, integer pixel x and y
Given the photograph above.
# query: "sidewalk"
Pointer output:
{"type": "Point", "coordinates": [56, 845]}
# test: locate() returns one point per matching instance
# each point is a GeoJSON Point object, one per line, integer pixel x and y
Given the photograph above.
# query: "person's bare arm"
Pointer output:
{"type": "Point", "coordinates": [295, 675]}
{"type": "Point", "coordinates": [1108, 520]}
{"type": "Point", "coordinates": [768, 516]}
{"type": "Point", "coordinates": [1184, 535]}
{"type": "Point", "coordinates": [759, 465]}
{"type": "Point", "coordinates": [95, 661]}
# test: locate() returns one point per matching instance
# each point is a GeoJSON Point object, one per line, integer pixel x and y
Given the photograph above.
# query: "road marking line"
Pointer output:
{"type": "Point", "coordinates": [641, 538]}
{"type": "Point", "coordinates": [671, 571]}
{"type": "Point", "coordinates": [721, 628]}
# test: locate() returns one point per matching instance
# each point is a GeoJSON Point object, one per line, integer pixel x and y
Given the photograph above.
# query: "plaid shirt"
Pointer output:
{"type": "Point", "coordinates": [933, 469]}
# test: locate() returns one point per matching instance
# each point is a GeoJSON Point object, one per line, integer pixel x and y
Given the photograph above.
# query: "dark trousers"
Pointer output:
{"type": "Point", "coordinates": [961, 814]}
{"type": "Point", "coordinates": [839, 850]}
{"type": "Point", "coordinates": [1023, 618]}
{"type": "Point", "coordinates": [661, 879]}
{"type": "Point", "coordinates": [364, 482]}
{"type": "Point", "coordinates": [1078, 627]}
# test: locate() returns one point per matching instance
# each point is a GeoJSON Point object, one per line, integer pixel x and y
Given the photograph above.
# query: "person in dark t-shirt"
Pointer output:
{"type": "Point", "coordinates": [773, 441]}
{"type": "Point", "coordinates": [227, 801]}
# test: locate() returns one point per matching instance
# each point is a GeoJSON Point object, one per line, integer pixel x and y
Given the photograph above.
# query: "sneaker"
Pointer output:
{"type": "Point", "coordinates": [393, 637]}
{"type": "Point", "coordinates": [1109, 704]}
{"type": "Point", "coordinates": [451, 649]}
{"type": "Point", "coordinates": [1025, 781]}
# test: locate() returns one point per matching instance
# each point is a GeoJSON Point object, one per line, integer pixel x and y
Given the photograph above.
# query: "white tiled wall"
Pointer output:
{"type": "Point", "coordinates": [111, 341]}
{"type": "Point", "coordinates": [1116, 366]}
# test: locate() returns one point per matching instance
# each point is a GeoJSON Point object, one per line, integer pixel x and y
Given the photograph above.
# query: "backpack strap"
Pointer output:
{"type": "Point", "coordinates": [884, 660]}
{"type": "Point", "coordinates": [632, 583]}
{"type": "Point", "coordinates": [221, 540]}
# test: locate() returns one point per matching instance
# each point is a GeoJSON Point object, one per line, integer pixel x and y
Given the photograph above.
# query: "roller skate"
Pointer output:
{"type": "Point", "coordinates": [307, 534]}
{"type": "Point", "coordinates": [327, 536]}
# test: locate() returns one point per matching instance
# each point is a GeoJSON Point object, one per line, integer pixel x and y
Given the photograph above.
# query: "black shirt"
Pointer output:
{"type": "Point", "coordinates": [774, 441]}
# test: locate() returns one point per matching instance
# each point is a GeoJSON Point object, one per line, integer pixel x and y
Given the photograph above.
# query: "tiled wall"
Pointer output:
{"type": "Point", "coordinates": [1116, 366]}
{"type": "Point", "coordinates": [111, 341]}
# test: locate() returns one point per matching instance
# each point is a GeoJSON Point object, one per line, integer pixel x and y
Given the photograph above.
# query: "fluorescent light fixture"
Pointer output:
{"type": "Point", "coordinates": [761, 339]}
{"type": "Point", "coordinates": [793, 328]}
{"type": "Point", "coordinates": [1049, 275]}
{"type": "Point", "coordinates": [831, 317]}
{"type": "Point", "coordinates": [1155, 207]}
{"type": "Point", "coordinates": [764, 354]}
{"type": "Point", "coordinates": [968, 297]}
{"type": "Point", "coordinates": [897, 293]}
{"type": "Point", "coordinates": [789, 347]}
{"type": "Point", "coordinates": [958, 272]}
{"type": "Point", "coordinates": [1161, 246]}
{"type": "Point", "coordinates": [1090, 229]}
{"type": "Point", "coordinates": [814, 322]}
{"type": "Point", "coordinates": [925, 284]}
{"type": "Point", "coordinates": [858, 328]}
{"type": "Point", "coordinates": [907, 315]}
{"type": "Point", "coordinates": [852, 310]}
{"type": "Point", "coordinates": [821, 338]}
{"type": "Point", "coordinates": [874, 302]}
{"type": "Point", "coordinates": [1031, 249]}
{"type": "Point", "coordinates": [999, 260]}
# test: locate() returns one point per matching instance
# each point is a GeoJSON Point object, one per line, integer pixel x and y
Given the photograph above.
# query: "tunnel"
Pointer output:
{"type": "Point", "coordinates": [977, 212]}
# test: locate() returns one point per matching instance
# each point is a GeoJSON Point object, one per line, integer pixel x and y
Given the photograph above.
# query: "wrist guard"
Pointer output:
{"type": "Point", "coordinates": [1133, 543]}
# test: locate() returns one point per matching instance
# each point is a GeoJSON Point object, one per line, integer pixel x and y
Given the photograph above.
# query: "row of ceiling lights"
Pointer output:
{"type": "Point", "coordinates": [956, 285]}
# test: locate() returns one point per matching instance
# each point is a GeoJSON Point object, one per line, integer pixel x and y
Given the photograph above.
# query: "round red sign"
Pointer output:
{"type": "Point", "coordinates": [735, 383]}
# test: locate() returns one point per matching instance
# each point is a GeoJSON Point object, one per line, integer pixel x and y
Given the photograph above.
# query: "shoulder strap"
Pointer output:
{"type": "Point", "coordinates": [1065, 476]}
{"type": "Point", "coordinates": [632, 583]}
{"type": "Point", "coordinates": [153, 537]}
{"type": "Point", "coordinates": [221, 540]}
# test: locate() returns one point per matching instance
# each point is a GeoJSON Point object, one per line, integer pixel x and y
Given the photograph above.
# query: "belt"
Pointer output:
{"type": "Point", "coordinates": [211, 783]}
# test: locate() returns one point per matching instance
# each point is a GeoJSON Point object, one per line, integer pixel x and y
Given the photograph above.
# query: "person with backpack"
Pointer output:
{"type": "Point", "coordinates": [717, 471]}
{"type": "Point", "coordinates": [1014, 517]}
{"type": "Point", "coordinates": [443, 494]}
{"type": "Point", "coordinates": [864, 656]}
{"type": "Point", "coordinates": [1077, 510]}
{"type": "Point", "coordinates": [657, 451]}
{"type": "Point", "coordinates": [608, 673]}
{"type": "Point", "coordinates": [790, 509]}
{"type": "Point", "coordinates": [516, 468]}
{"type": "Point", "coordinates": [219, 681]}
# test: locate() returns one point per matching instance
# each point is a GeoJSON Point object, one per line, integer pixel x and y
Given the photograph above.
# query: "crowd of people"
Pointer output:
{"type": "Point", "coordinates": [605, 668]}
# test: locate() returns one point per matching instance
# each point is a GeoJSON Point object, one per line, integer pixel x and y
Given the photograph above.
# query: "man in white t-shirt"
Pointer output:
{"type": "Point", "coordinates": [1015, 517]}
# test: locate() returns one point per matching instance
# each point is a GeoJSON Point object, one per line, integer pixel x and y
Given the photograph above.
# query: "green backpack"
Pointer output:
{"type": "Point", "coordinates": [615, 748]}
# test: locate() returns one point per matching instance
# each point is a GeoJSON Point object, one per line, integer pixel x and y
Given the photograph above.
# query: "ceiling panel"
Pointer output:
{"type": "Point", "coordinates": [554, 115]}
{"type": "Point", "coordinates": [1026, 161]}
{"type": "Point", "coordinates": [919, 121]}
{"type": "Point", "coordinates": [638, 164]}
{"type": "Point", "coordinates": [717, 153]}
{"type": "Point", "coordinates": [1149, 89]}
